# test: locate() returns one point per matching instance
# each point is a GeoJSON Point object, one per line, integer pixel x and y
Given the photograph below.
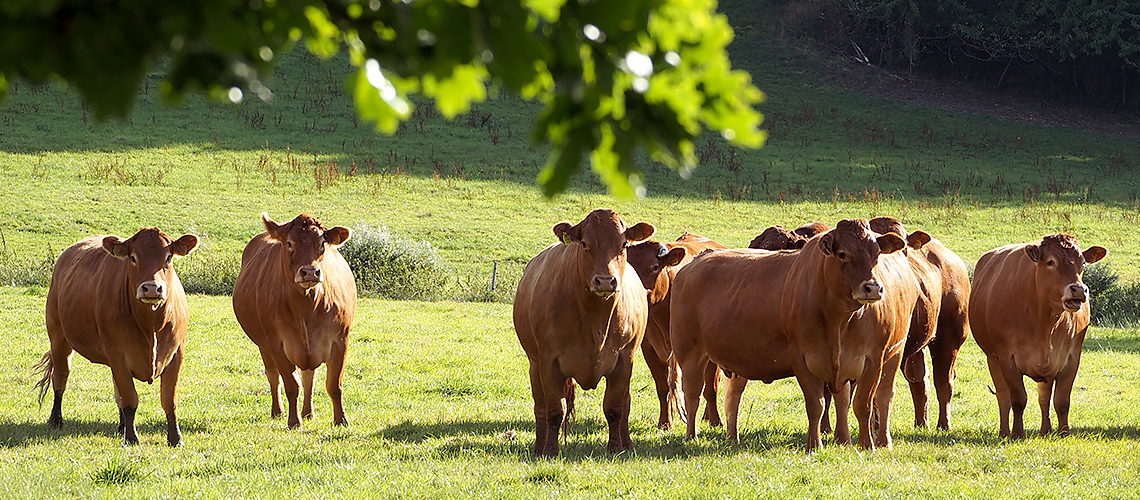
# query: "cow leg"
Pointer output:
{"type": "Point", "coordinates": [842, 399]}
{"type": "Point", "coordinates": [128, 401]}
{"type": "Point", "coordinates": [169, 388]}
{"type": "Point", "coordinates": [552, 388]}
{"type": "Point", "coordinates": [616, 403]}
{"type": "Point", "coordinates": [864, 399]}
{"type": "Point", "coordinates": [1044, 398]}
{"type": "Point", "coordinates": [733, 392]}
{"type": "Point", "coordinates": [60, 369]}
{"type": "Point", "coordinates": [539, 397]}
{"type": "Point", "coordinates": [885, 395]}
{"type": "Point", "coordinates": [660, 372]}
{"type": "Point", "coordinates": [1001, 391]}
{"type": "Point", "coordinates": [943, 358]}
{"type": "Point", "coordinates": [274, 378]}
{"type": "Point", "coordinates": [692, 368]}
{"type": "Point", "coordinates": [1015, 388]}
{"type": "Point", "coordinates": [712, 381]}
{"type": "Point", "coordinates": [813, 389]}
{"type": "Point", "coordinates": [914, 370]}
{"type": "Point", "coordinates": [334, 382]}
{"type": "Point", "coordinates": [307, 393]}
{"type": "Point", "coordinates": [1065, 380]}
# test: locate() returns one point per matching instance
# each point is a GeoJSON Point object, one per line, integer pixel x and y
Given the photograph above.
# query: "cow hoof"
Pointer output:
{"type": "Point", "coordinates": [131, 440]}
{"type": "Point", "coordinates": [664, 426]}
{"type": "Point", "coordinates": [55, 422]}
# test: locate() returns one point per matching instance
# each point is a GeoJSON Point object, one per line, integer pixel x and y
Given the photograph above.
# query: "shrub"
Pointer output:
{"type": "Point", "coordinates": [391, 266]}
{"type": "Point", "coordinates": [208, 272]}
{"type": "Point", "coordinates": [1113, 304]}
{"type": "Point", "coordinates": [30, 272]}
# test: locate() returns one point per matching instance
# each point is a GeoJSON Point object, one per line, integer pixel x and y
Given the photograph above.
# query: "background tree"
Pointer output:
{"type": "Point", "coordinates": [613, 75]}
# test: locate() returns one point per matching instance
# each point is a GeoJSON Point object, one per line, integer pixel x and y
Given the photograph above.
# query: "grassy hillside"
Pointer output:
{"type": "Point", "coordinates": [466, 186]}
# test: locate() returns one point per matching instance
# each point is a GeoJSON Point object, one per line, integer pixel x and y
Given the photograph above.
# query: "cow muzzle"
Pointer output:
{"type": "Point", "coordinates": [151, 292]}
{"type": "Point", "coordinates": [1076, 294]}
{"type": "Point", "coordinates": [309, 276]}
{"type": "Point", "coordinates": [604, 285]}
{"type": "Point", "coordinates": [868, 292]}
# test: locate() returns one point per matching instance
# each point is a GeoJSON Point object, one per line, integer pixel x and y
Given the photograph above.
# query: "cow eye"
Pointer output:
{"type": "Point", "coordinates": [654, 268]}
{"type": "Point", "coordinates": [841, 254]}
{"type": "Point", "coordinates": [169, 257]}
{"type": "Point", "coordinates": [134, 260]}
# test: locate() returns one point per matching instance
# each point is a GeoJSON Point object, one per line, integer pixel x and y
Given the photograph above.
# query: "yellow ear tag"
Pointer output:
{"type": "Point", "coordinates": [566, 239]}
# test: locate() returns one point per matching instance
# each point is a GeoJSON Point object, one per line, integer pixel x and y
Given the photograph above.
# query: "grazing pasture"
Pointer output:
{"type": "Point", "coordinates": [438, 392]}
{"type": "Point", "coordinates": [440, 407]}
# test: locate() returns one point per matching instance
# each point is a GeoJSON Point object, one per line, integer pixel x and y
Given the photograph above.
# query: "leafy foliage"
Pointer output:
{"type": "Point", "coordinates": [612, 76]}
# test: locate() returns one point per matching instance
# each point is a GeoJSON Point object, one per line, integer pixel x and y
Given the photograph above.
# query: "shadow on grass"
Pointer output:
{"type": "Point", "coordinates": [1122, 344]}
{"type": "Point", "coordinates": [19, 434]}
{"type": "Point", "coordinates": [586, 440]}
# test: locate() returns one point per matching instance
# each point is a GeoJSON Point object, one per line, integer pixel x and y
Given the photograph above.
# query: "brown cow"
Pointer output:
{"type": "Point", "coordinates": [657, 264]}
{"type": "Point", "coordinates": [1029, 312]}
{"type": "Point", "coordinates": [580, 313]}
{"type": "Point", "coordinates": [842, 316]}
{"type": "Point", "coordinates": [779, 238]}
{"type": "Point", "coordinates": [940, 322]}
{"type": "Point", "coordinates": [295, 297]}
{"type": "Point", "coordinates": [119, 303]}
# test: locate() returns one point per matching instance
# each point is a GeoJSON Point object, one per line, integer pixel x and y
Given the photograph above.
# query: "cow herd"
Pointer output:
{"type": "Point", "coordinates": [841, 309]}
{"type": "Point", "coordinates": [119, 303]}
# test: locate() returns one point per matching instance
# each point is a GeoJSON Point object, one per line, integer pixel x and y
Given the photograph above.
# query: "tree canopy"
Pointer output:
{"type": "Point", "coordinates": [612, 75]}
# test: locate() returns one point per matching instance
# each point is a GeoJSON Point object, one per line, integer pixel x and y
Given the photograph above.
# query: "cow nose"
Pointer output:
{"type": "Point", "coordinates": [869, 291]}
{"type": "Point", "coordinates": [604, 283]}
{"type": "Point", "coordinates": [1078, 291]}
{"type": "Point", "coordinates": [151, 291]}
{"type": "Point", "coordinates": [310, 274]}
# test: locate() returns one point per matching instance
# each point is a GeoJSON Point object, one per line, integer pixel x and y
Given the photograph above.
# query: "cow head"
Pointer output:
{"type": "Point", "coordinates": [887, 224]}
{"type": "Point", "coordinates": [1060, 263]}
{"type": "Point", "coordinates": [778, 238]}
{"type": "Point", "coordinates": [853, 249]}
{"type": "Point", "coordinates": [651, 259]}
{"type": "Point", "coordinates": [305, 243]}
{"type": "Point", "coordinates": [149, 255]}
{"type": "Point", "coordinates": [811, 229]}
{"type": "Point", "coordinates": [603, 238]}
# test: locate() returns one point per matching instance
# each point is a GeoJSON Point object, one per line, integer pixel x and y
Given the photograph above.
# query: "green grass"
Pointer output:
{"type": "Point", "coordinates": [439, 406]}
{"type": "Point", "coordinates": [437, 393]}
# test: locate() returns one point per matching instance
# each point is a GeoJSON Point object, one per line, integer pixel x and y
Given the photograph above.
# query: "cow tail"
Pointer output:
{"type": "Point", "coordinates": [676, 391]}
{"type": "Point", "coordinates": [47, 368]}
{"type": "Point", "coordinates": [568, 395]}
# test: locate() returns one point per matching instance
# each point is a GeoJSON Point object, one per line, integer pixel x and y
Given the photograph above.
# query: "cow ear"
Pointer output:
{"type": "Point", "coordinates": [184, 245]}
{"type": "Point", "coordinates": [1034, 252]}
{"type": "Point", "coordinates": [917, 239]}
{"type": "Point", "coordinates": [271, 227]}
{"type": "Point", "coordinates": [337, 235]}
{"type": "Point", "coordinates": [825, 243]}
{"type": "Point", "coordinates": [640, 231]}
{"type": "Point", "coordinates": [1094, 253]}
{"type": "Point", "coordinates": [674, 257]}
{"type": "Point", "coordinates": [566, 233]}
{"type": "Point", "coordinates": [116, 246]}
{"type": "Point", "coordinates": [800, 243]}
{"type": "Point", "coordinates": [890, 243]}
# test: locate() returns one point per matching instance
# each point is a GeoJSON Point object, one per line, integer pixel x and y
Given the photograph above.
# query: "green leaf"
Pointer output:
{"type": "Point", "coordinates": [455, 93]}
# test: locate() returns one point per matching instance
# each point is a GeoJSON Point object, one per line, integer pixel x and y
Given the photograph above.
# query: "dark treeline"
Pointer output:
{"type": "Point", "coordinates": [1083, 52]}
